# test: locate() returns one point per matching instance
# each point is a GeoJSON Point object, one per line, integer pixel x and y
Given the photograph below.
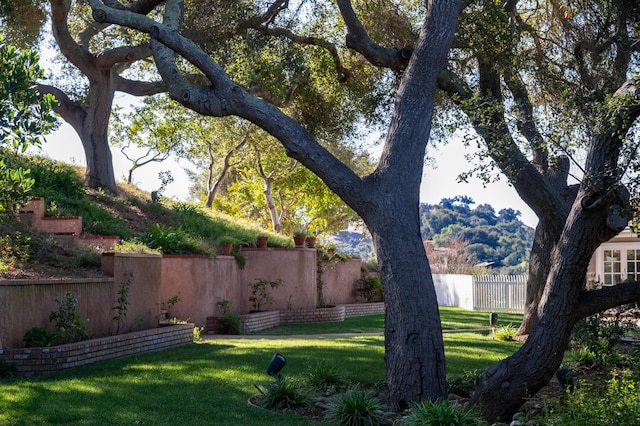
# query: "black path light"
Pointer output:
{"type": "Point", "coordinates": [493, 321]}
{"type": "Point", "coordinates": [277, 363]}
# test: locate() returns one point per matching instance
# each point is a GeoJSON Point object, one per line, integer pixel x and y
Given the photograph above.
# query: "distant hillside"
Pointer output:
{"type": "Point", "coordinates": [498, 243]}
{"type": "Point", "coordinates": [498, 240]}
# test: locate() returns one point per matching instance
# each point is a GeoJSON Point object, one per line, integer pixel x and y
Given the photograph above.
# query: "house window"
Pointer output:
{"type": "Point", "coordinates": [633, 265]}
{"type": "Point", "coordinates": [612, 267]}
{"type": "Point", "coordinates": [618, 263]}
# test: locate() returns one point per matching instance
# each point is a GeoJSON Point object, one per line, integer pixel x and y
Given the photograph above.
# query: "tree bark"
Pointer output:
{"type": "Point", "coordinates": [91, 122]}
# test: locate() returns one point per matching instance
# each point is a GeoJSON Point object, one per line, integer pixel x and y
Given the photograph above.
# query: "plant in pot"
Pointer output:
{"type": "Point", "coordinates": [298, 238]}
{"type": "Point", "coordinates": [311, 240]}
{"type": "Point", "coordinates": [226, 244]}
{"type": "Point", "coordinates": [262, 241]}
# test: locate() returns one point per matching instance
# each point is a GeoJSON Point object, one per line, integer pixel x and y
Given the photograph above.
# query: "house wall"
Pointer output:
{"type": "Point", "coordinates": [626, 238]}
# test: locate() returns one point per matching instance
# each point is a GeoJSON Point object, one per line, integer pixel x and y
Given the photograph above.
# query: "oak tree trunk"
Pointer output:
{"type": "Point", "coordinates": [506, 385]}
{"type": "Point", "coordinates": [414, 348]}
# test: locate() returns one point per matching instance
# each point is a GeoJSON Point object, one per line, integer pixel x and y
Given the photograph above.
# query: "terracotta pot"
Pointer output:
{"type": "Point", "coordinates": [225, 248]}
{"type": "Point", "coordinates": [299, 240]}
{"type": "Point", "coordinates": [311, 242]}
{"type": "Point", "coordinates": [262, 241]}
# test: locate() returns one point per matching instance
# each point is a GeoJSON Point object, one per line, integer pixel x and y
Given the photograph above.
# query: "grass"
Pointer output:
{"type": "Point", "coordinates": [451, 318]}
{"type": "Point", "coordinates": [208, 382]}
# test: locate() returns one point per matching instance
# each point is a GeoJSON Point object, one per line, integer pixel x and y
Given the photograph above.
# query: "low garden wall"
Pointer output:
{"type": "Point", "coordinates": [30, 361]}
{"type": "Point", "coordinates": [263, 320]}
{"type": "Point", "coordinates": [361, 309]}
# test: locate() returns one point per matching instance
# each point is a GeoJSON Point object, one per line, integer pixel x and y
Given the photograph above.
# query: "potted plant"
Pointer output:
{"type": "Point", "coordinates": [226, 243]}
{"type": "Point", "coordinates": [262, 241]}
{"type": "Point", "coordinates": [298, 238]}
{"type": "Point", "coordinates": [311, 241]}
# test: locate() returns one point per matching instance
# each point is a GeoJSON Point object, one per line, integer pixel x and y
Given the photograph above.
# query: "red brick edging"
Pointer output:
{"type": "Point", "coordinates": [30, 361]}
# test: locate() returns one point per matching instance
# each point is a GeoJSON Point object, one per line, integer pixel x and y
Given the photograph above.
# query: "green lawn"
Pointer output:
{"type": "Point", "coordinates": [451, 318]}
{"type": "Point", "coordinates": [208, 382]}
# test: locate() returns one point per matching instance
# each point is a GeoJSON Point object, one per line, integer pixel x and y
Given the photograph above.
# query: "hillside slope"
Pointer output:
{"type": "Point", "coordinates": [142, 225]}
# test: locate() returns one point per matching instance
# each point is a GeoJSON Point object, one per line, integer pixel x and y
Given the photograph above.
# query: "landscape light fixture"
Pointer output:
{"type": "Point", "coordinates": [277, 362]}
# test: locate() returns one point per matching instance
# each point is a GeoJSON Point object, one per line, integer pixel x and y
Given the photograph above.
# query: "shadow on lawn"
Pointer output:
{"type": "Point", "coordinates": [206, 383]}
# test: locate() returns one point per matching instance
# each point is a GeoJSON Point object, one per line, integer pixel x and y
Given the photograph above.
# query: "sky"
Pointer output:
{"type": "Point", "coordinates": [438, 182]}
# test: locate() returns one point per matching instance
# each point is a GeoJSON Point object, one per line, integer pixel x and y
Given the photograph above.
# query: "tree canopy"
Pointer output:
{"type": "Point", "coordinates": [24, 117]}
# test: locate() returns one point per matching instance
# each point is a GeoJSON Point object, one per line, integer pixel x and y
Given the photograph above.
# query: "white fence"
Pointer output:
{"type": "Point", "coordinates": [492, 293]}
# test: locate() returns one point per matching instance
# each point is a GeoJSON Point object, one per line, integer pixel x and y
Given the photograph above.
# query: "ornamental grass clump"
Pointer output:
{"type": "Point", "coordinates": [285, 393]}
{"type": "Point", "coordinates": [355, 407]}
{"type": "Point", "coordinates": [440, 413]}
{"type": "Point", "coordinates": [325, 378]}
{"type": "Point", "coordinates": [506, 333]}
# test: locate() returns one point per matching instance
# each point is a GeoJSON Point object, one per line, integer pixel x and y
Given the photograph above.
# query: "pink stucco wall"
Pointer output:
{"type": "Point", "coordinates": [339, 279]}
{"type": "Point", "coordinates": [199, 281]}
{"type": "Point", "coordinates": [27, 303]}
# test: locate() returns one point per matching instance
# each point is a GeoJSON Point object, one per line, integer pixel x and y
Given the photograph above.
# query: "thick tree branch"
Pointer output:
{"type": "Point", "coordinates": [70, 111]}
{"type": "Point", "coordinates": [76, 54]}
{"type": "Point", "coordinates": [525, 177]}
{"type": "Point", "coordinates": [124, 54]}
{"type": "Point", "coordinates": [224, 97]}
{"type": "Point", "coordinates": [526, 121]}
{"type": "Point", "coordinates": [594, 301]}
{"type": "Point", "coordinates": [140, 88]}
{"type": "Point", "coordinates": [358, 40]}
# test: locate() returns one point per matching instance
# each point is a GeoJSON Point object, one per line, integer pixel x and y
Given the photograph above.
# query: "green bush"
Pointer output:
{"type": "Point", "coordinates": [285, 393]}
{"type": "Point", "coordinates": [600, 335]}
{"type": "Point", "coordinates": [619, 405]}
{"type": "Point", "coordinates": [37, 337]}
{"type": "Point", "coordinates": [354, 408]}
{"type": "Point", "coordinates": [370, 288]}
{"type": "Point", "coordinates": [326, 378]}
{"type": "Point", "coordinates": [506, 333]}
{"type": "Point", "coordinates": [440, 413]}
{"type": "Point", "coordinates": [464, 384]}
{"type": "Point", "coordinates": [231, 323]}
{"type": "Point", "coordinates": [70, 327]}
{"type": "Point", "coordinates": [6, 370]}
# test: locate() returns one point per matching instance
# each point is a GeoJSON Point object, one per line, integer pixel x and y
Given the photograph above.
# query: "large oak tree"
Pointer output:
{"type": "Point", "coordinates": [531, 79]}
{"type": "Point", "coordinates": [386, 199]}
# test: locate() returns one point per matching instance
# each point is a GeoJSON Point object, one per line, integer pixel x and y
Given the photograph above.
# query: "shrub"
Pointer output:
{"type": "Point", "coordinates": [506, 333]}
{"type": "Point", "coordinates": [464, 384]}
{"type": "Point", "coordinates": [370, 288]}
{"type": "Point", "coordinates": [260, 293]}
{"type": "Point", "coordinates": [440, 413]}
{"type": "Point", "coordinates": [6, 370]}
{"type": "Point", "coordinates": [619, 404]}
{"type": "Point", "coordinates": [326, 378]}
{"type": "Point", "coordinates": [70, 327]}
{"type": "Point", "coordinates": [600, 335]}
{"type": "Point", "coordinates": [285, 393]}
{"type": "Point", "coordinates": [39, 337]}
{"type": "Point", "coordinates": [355, 407]}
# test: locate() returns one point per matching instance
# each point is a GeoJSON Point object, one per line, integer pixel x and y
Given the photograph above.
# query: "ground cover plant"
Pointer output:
{"type": "Point", "coordinates": [209, 382]}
